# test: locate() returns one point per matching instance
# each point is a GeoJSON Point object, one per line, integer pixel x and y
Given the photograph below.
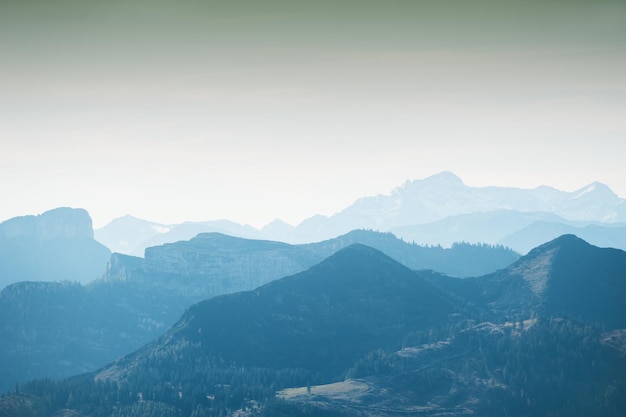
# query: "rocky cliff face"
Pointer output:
{"type": "Point", "coordinates": [212, 264]}
{"type": "Point", "coordinates": [57, 245]}
{"type": "Point", "coordinates": [60, 223]}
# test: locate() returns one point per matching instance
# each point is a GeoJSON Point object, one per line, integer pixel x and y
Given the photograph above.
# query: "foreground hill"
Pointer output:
{"type": "Point", "coordinates": [319, 321]}
{"type": "Point", "coordinates": [550, 367]}
{"type": "Point", "coordinates": [564, 277]}
{"type": "Point", "coordinates": [359, 334]}
{"type": "Point", "coordinates": [53, 246]}
{"type": "Point", "coordinates": [56, 330]}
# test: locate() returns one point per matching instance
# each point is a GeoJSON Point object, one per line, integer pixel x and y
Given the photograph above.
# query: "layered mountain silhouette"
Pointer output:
{"type": "Point", "coordinates": [130, 235]}
{"type": "Point", "coordinates": [438, 210]}
{"type": "Point", "coordinates": [443, 195]}
{"type": "Point", "coordinates": [54, 246]}
{"type": "Point", "coordinates": [488, 227]}
{"type": "Point", "coordinates": [360, 334]}
{"type": "Point", "coordinates": [321, 320]}
{"type": "Point", "coordinates": [538, 232]}
{"type": "Point", "coordinates": [80, 328]}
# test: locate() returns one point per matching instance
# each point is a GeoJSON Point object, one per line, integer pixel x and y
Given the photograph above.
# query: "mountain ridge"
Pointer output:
{"type": "Point", "coordinates": [356, 289]}
{"type": "Point", "coordinates": [424, 201]}
{"type": "Point", "coordinates": [525, 340]}
{"type": "Point", "coordinates": [145, 296]}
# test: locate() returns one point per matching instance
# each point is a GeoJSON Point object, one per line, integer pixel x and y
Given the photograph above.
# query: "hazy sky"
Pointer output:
{"type": "Point", "coordinates": [253, 110]}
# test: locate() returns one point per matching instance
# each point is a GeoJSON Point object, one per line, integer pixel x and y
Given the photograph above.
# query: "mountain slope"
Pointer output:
{"type": "Point", "coordinates": [79, 329]}
{"type": "Point", "coordinates": [320, 320]}
{"type": "Point", "coordinates": [554, 367]}
{"type": "Point", "coordinates": [566, 276]}
{"type": "Point", "coordinates": [532, 339]}
{"type": "Point", "coordinates": [52, 329]}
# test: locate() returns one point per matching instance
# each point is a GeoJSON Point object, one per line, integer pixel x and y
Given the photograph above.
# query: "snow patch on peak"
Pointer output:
{"type": "Point", "coordinates": [588, 189]}
{"type": "Point", "coordinates": [161, 229]}
{"type": "Point", "coordinates": [595, 188]}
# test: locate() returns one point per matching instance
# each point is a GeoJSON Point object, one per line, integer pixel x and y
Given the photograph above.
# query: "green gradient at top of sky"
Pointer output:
{"type": "Point", "coordinates": [410, 87]}
{"type": "Point", "coordinates": [323, 23]}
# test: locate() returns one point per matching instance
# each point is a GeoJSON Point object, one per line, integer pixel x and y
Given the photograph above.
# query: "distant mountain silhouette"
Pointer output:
{"type": "Point", "coordinates": [127, 234]}
{"type": "Point", "coordinates": [486, 227]}
{"type": "Point", "coordinates": [130, 235]}
{"type": "Point", "coordinates": [54, 246]}
{"type": "Point", "coordinates": [603, 235]}
{"type": "Point", "coordinates": [438, 210]}
{"type": "Point", "coordinates": [443, 195]}
{"type": "Point", "coordinates": [545, 367]}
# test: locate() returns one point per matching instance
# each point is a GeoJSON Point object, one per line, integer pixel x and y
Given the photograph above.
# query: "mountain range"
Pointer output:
{"type": "Point", "coordinates": [438, 210]}
{"type": "Point", "coordinates": [365, 323]}
{"type": "Point", "coordinates": [359, 334]}
{"type": "Point", "coordinates": [75, 328]}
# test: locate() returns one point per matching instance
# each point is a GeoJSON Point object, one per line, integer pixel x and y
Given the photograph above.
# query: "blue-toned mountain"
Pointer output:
{"type": "Point", "coordinates": [142, 297]}
{"type": "Point", "coordinates": [54, 246]}
{"type": "Point", "coordinates": [361, 335]}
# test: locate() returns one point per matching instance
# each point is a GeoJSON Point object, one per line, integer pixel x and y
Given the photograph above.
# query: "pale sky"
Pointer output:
{"type": "Point", "coordinates": [256, 110]}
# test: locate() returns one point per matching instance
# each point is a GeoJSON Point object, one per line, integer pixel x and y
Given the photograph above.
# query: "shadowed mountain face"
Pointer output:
{"type": "Point", "coordinates": [213, 264]}
{"type": "Point", "coordinates": [527, 340]}
{"type": "Point", "coordinates": [564, 277]}
{"type": "Point", "coordinates": [80, 328]}
{"type": "Point", "coordinates": [321, 320]}
{"type": "Point", "coordinates": [54, 246]}
{"type": "Point", "coordinates": [587, 283]}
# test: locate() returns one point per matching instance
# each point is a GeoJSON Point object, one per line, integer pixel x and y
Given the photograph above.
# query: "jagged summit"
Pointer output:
{"type": "Point", "coordinates": [566, 276]}
{"type": "Point", "coordinates": [445, 177]}
{"type": "Point", "coordinates": [442, 179]}
{"type": "Point", "coordinates": [596, 189]}
{"type": "Point", "coordinates": [415, 203]}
